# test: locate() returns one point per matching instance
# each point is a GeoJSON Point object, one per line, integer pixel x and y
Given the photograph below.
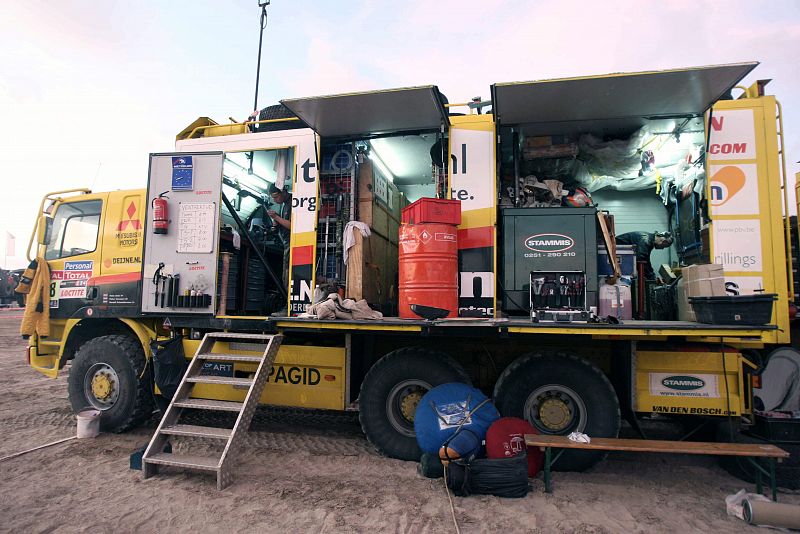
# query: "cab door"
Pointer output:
{"type": "Point", "coordinates": [73, 251]}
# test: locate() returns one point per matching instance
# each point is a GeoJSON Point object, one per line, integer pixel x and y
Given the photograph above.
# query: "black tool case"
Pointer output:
{"type": "Point", "coordinates": [546, 240]}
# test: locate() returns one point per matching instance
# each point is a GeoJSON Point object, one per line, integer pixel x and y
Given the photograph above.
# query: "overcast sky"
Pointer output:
{"type": "Point", "coordinates": [89, 88]}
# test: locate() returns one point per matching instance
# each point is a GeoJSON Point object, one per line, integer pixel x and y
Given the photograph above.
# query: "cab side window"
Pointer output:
{"type": "Point", "coordinates": [74, 231]}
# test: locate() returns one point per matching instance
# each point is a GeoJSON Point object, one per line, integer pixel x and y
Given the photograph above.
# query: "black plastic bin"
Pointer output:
{"type": "Point", "coordinates": [740, 309]}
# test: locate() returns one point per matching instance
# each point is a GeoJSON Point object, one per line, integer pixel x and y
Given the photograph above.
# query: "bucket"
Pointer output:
{"type": "Point", "coordinates": [88, 423]}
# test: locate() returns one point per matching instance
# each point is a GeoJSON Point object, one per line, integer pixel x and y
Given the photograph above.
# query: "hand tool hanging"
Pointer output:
{"type": "Point", "coordinates": [157, 276]}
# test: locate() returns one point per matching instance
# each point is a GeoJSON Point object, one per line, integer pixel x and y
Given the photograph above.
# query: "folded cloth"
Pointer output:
{"type": "Point", "coordinates": [349, 236]}
{"type": "Point", "coordinates": [335, 307]}
{"type": "Point", "coordinates": [579, 437]}
{"type": "Point", "coordinates": [36, 318]}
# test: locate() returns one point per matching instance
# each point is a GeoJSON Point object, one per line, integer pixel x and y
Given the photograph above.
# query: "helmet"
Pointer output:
{"type": "Point", "coordinates": [578, 198]}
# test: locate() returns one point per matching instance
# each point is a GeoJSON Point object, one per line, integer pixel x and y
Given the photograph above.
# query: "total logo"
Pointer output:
{"type": "Point", "coordinates": [725, 183]}
{"type": "Point", "coordinates": [549, 242]}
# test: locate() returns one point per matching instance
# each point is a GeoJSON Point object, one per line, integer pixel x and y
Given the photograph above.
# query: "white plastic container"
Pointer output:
{"type": "Point", "coordinates": [88, 424]}
{"type": "Point", "coordinates": [615, 300]}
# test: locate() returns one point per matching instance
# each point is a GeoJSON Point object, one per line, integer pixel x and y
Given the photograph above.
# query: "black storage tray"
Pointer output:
{"type": "Point", "coordinates": [776, 428]}
{"type": "Point", "coordinates": [739, 310]}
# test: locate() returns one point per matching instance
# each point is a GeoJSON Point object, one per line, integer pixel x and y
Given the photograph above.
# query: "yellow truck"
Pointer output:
{"type": "Point", "coordinates": [685, 150]}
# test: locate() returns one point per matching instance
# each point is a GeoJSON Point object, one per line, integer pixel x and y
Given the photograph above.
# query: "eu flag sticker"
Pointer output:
{"type": "Point", "coordinates": [182, 173]}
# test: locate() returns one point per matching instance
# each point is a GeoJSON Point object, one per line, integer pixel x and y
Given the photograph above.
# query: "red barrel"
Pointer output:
{"type": "Point", "coordinates": [428, 268]}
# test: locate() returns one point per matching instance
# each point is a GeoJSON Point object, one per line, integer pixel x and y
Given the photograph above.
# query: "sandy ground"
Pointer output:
{"type": "Point", "coordinates": [311, 472]}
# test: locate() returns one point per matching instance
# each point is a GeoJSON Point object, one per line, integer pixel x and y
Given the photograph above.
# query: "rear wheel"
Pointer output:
{"type": "Point", "coordinates": [105, 376]}
{"type": "Point", "coordinates": [391, 392]}
{"type": "Point", "coordinates": [560, 393]}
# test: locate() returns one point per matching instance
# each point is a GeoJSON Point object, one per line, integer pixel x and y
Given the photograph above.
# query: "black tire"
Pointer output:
{"type": "Point", "coordinates": [787, 473]}
{"type": "Point", "coordinates": [580, 397]}
{"type": "Point", "coordinates": [402, 375]}
{"type": "Point", "coordinates": [116, 362]}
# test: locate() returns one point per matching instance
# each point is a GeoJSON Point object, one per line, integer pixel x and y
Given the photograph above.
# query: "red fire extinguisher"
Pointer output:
{"type": "Point", "coordinates": [160, 214]}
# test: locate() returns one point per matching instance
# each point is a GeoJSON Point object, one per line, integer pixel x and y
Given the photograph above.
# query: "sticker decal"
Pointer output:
{"type": "Point", "coordinates": [549, 242]}
{"type": "Point", "coordinates": [684, 385]}
{"type": "Point", "coordinates": [182, 173]}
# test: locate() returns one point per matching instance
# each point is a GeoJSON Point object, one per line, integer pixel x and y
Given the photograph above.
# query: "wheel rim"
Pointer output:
{"type": "Point", "coordinates": [555, 409]}
{"type": "Point", "coordinates": [101, 386]}
{"type": "Point", "coordinates": [401, 403]}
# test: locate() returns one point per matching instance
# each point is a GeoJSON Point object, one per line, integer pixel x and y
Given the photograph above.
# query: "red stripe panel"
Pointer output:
{"type": "Point", "coordinates": [303, 255]}
{"type": "Point", "coordinates": [476, 237]}
{"type": "Point", "coordinates": [115, 278]}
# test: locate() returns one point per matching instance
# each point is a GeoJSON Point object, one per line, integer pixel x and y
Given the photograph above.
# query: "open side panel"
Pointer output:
{"type": "Point", "coordinates": [744, 192]}
{"type": "Point", "coordinates": [616, 101]}
{"type": "Point", "coordinates": [373, 113]}
{"type": "Point", "coordinates": [305, 197]}
{"type": "Point", "coordinates": [472, 181]}
{"type": "Point", "coordinates": [180, 251]}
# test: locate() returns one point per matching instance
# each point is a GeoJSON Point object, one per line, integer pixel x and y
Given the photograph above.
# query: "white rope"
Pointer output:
{"type": "Point", "coordinates": [450, 498]}
{"type": "Point", "coordinates": [36, 448]}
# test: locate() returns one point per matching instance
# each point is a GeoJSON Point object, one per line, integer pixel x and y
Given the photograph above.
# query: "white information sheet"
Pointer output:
{"type": "Point", "coordinates": [196, 226]}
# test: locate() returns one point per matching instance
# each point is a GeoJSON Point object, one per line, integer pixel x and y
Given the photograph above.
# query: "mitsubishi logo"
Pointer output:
{"type": "Point", "coordinates": [136, 224]}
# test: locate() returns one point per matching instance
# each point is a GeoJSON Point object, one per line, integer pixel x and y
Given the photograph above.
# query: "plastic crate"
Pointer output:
{"type": "Point", "coordinates": [776, 428]}
{"type": "Point", "coordinates": [432, 210]}
{"type": "Point", "coordinates": [741, 309]}
{"type": "Point", "coordinates": [626, 257]}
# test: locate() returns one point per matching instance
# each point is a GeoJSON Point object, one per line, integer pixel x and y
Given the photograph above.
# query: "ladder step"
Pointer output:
{"type": "Point", "coordinates": [233, 335]}
{"type": "Point", "coordinates": [204, 463]}
{"type": "Point", "coordinates": [224, 380]}
{"type": "Point", "coordinates": [231, 358]}
{"type": "Point", "coordinates": [197, 431]}
{"type": "Point", "coordinates": [206, 404]}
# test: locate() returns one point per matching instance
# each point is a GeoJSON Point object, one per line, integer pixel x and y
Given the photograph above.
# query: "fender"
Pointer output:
{"type": "Point", "coordinates": [50, 364]}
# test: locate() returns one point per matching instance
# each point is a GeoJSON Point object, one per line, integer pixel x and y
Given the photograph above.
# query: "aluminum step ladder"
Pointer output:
{"type": "Point", "coordinates": [169, 426]}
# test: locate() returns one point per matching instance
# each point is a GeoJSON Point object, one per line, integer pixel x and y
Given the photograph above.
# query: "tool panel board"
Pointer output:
{"type": "Point", "coordinates": [180, 266]}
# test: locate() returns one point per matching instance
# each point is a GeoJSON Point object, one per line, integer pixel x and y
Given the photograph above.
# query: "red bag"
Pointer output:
{"type": "Point", "coordinates": [506, 439]}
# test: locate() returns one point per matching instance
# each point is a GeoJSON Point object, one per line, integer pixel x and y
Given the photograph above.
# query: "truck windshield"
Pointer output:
{"type": "Point", "coordinates": [75, 227]}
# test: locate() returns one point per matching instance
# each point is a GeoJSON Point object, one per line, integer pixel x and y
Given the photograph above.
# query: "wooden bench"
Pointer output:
{"type": "Point", "coordinates": [745, 450]}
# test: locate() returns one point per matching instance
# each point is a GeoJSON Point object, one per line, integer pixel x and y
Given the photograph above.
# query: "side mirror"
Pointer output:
{"type": "Point", "coordinates": [44, 230]}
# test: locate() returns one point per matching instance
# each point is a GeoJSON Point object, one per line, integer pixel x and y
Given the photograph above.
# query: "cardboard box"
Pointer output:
{"type": "Point", "coordinates": [698, 281]}
{"type": "Point", "coordinates": [685, 310]}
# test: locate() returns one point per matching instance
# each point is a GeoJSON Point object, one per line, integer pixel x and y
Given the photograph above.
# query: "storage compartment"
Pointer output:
{"type": "Point", "coordinates": [741, 309]}
{"type": "Point", "coordinates": [540, 243]}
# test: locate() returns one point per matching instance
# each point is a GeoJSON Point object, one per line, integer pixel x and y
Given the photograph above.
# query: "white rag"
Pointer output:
{"type": "Point", "coordinates": [580, 437]}
{"type": "Point", "coordinates": [237, 240]}
{"type": "Point", "coordinates": [349, 235]}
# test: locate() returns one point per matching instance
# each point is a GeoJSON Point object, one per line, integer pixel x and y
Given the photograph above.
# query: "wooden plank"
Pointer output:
{"type": "Point", "coordinates": [611, 244]}
{"type": "Point", "coordinates": [355, 268]}
{"type": "Point", "coordinates": [662, 446]}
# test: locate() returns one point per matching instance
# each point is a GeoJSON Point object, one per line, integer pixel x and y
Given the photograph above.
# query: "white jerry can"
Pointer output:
{"type": "Point", "coordinates": [615, 300]}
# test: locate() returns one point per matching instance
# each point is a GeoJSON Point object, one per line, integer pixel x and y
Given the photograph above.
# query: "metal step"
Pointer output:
{"type": "Point", "coordinates": [224, 380]}
{"type": "Point", "coordinates": [170, 426]}
{"type": "Point", "coordinates": [189, 461]}
{"type": "Point", "coordinates": [229, 335]}
{"type": "Point", "coordinates": [206, 404]}
{"type": "Point", "coordinates": [230, 358]}
{"type": "Point", "coordinates": [197, 431]}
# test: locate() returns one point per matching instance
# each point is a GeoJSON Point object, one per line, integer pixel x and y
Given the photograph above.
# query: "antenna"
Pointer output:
{"type": "Point", "coordinates": [263, 24]}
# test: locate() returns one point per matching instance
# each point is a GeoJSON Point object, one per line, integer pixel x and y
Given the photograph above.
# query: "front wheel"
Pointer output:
{"type": "Point", "coordinates": [560, 393]}
{"type": "Point", "coordinates": [391, 392]}
{"type": "Point", "coordinates": [107, 375]}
